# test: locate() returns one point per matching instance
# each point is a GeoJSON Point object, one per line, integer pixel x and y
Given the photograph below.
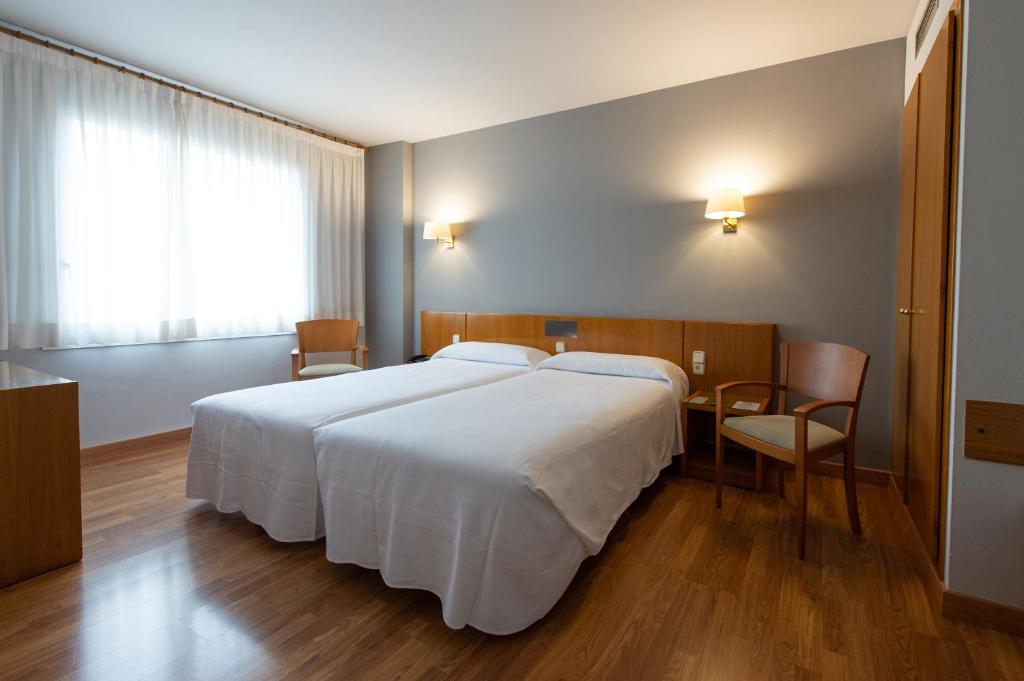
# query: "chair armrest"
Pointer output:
{"type": "Point", "coordinates": [804, 409]}
{"type": "Point", "coordinates": [800, 418]}
{"type": "Point", "coordinates": [295, 352]}
{"type": "Point", "coordinates": [719, 389]}
{"type": "Point", "coordinates": [296, 364]}
{"type": "Point", "coordinates": [363, 355]}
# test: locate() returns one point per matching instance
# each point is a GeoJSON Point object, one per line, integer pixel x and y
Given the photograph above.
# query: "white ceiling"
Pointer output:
{"type": "Point", "coordinates": [385, 70]}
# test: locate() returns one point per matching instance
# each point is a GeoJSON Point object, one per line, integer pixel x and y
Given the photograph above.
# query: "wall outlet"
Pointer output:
{"type": "Point", "coordinates": [456, 338]}
{"type": "Point", "coordinates": [559, 346]}
{"type": "Point", "coordinates": [698, 362]}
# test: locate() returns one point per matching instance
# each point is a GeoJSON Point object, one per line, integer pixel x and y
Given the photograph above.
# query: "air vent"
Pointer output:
{"type": "Point", "coordinates": [926, 22]}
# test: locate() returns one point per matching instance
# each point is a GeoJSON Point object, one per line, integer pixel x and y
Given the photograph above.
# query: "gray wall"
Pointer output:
{"type": "Point", "coordinates": [599, 210]}
{"type": "Point", "coordinates": [389, 253]}
{"type": "Point", "coordinates": [133, 390]}
{"type": "Point", "coordinates": [986, 528]}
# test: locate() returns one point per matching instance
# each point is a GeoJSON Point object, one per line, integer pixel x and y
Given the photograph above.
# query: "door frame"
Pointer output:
{"type": "Point", "coordinates": [956, 17]}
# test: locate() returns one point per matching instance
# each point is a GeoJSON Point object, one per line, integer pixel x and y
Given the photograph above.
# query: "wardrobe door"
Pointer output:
{"type": "Point", "coordinates": [927, 312]}
{"type": "Point", "coordinates": [904, 274]}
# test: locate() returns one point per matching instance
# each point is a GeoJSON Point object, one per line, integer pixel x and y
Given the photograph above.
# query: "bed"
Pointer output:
{"type": "Point", "coordinates": [252, 450]}
{"type": "Point", "coordinates": [491, 497]}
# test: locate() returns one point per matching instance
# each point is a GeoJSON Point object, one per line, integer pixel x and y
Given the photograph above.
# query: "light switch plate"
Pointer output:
{"type": "Point", "coordinates": [456, 338]}
{"type": "Point", "coordinates": [559, 346]}
{"type": "Point", "coordinates": [698, 362]}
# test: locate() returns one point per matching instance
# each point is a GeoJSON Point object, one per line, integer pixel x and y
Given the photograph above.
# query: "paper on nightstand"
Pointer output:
{"type": "Point", "coordinates": [748, 406]}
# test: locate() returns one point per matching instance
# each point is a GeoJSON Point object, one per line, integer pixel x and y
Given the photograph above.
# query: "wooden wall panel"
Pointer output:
{"type": "Point", "coordinates": [654, 337]}
{"type": "Point", "coordinates": [733, 351]}
{"type": "Point", "coordinates": [520, 329]}
{"type": "Point", "coordinates": [994, 431]}
{"type": "Point", "coordinates": [437, 328]}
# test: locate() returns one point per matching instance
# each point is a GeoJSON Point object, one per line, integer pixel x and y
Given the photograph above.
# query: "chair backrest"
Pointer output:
{"type": "Point", "coordinates": [327, 335]}
{"type": "Point", "coordinates": [826, 371]}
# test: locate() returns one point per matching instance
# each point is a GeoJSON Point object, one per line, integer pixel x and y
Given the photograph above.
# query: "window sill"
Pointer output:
{"type": "Point", "coordinates": [167, 342]}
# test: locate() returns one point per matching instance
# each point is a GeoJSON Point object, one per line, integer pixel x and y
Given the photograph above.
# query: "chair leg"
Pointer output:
{"type": "Point", "coordinates": [850, 479]}
{"type": "Point", "coordinates": [719, 460]}
{"type": "Point", "coordinates": [801, 504]}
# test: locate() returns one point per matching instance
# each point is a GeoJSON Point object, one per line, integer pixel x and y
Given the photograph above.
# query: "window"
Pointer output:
{"type": "Point", "coordinates": [134, 212]}
{"type": "Point", "coordinates": [161, 240]}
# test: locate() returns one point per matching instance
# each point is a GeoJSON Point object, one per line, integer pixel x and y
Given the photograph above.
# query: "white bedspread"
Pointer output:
{"type": "Point", "coordinates": [492, 497]}
{"type": "Point", "coordinates": [252, 450]}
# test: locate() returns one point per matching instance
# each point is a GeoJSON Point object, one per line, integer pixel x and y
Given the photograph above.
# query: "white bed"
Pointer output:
{"type": "Point", "coordinates": [492, 497]}
{"type": "Point", "coordinates": [252, 450]}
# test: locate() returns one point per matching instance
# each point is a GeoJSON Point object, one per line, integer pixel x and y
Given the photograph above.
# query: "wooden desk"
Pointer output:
{"type": "Point", "coordinates": [698, 457]}
{"type": "Point", "coordinates": [40, 473]}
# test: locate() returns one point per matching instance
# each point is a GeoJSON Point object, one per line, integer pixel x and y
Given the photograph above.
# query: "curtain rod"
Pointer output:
{"type": "Point", "coordinates": [181, 88]}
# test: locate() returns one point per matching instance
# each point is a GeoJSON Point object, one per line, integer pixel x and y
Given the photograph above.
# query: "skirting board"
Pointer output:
{"type": "Point", "coordinates": [136, 444]}
{"type": "Point", "coordinates": [984, 613]}
{"type": "Point", "coordinates": [870, 476]}
{"type": "Point", "coordinates": [952, 604]}
{"type": "Point", "coordinates": [933, 585]}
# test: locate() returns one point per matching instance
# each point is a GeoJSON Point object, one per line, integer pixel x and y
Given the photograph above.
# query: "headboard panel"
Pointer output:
{"type": "Point", "coordinates": [437, 329]}
{"type": "Point", "coordinates": [733, 351]}
{"type": "Point", "coordinates": [655, 337]}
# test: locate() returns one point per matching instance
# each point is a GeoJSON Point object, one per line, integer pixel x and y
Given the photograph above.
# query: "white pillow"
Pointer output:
{"type": "Point", "coordinates": [495, 353]}
{"type": "Point", "coordinates": [631, 366]}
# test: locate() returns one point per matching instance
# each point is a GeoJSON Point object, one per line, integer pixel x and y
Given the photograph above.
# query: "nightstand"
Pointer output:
{"type": "Point", "coordinates": [698, 457]}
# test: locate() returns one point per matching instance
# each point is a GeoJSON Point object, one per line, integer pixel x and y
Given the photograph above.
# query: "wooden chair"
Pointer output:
{"type": "Point", "coordinates": [832, 374]}
{"type": "Point", "coordinates": [326, 335]}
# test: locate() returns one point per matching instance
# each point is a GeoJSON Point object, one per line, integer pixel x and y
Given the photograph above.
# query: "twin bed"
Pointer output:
{"type": "Point", "coordinates": [252, 450]}
{"type": "Point", "coordinates": [484, 475]}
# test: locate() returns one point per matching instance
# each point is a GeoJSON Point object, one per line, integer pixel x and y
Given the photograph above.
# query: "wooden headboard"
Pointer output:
{"type": "Point", "coordinates": [733, 350]}
{"type": "Point", "coordinates": [654, 337]}
{"type": "Point", "coordinates": [437, 329]}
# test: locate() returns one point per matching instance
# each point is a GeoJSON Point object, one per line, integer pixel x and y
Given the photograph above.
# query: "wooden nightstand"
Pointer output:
{"type": "Point", "coordinates": [698, 457]}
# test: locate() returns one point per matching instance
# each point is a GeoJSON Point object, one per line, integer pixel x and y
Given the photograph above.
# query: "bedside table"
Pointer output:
{"type": "Point", "coordinates": [740, 468]}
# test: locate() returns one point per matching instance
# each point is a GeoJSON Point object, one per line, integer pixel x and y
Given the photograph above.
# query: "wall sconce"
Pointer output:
{"type": "Point", "coordinates": [726, 205]}
{"type": "Point", "coordinates": [441, 232]}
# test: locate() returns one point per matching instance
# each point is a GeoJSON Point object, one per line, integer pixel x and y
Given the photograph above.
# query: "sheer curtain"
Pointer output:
{"type": "Point", "coordinates": [132, 212]}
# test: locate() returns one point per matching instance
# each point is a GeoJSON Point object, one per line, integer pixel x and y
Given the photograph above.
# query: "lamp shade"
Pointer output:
{"type": "Point", "coordinates": [725, 203]}
{"type": "Point", "coordinates": [437, 230]}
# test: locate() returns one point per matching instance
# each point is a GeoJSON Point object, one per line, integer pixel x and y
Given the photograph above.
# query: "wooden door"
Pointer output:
{"type": "Point", "coordinates": [904, 274]}
{"type": "Point", "coordinates": [928, 283]}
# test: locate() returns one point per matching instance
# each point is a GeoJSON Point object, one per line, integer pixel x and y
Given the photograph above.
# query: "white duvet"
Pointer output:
{"type": "Point", "coordinates": [252, 450]}
{"type": "Point", "coordinates": [492, 497]}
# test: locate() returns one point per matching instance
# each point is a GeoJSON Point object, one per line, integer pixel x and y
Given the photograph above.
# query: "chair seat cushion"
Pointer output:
{"type": "Point", "coordinates": [320, 370]}
{"type": "Point", "coordinates": [780, 430]}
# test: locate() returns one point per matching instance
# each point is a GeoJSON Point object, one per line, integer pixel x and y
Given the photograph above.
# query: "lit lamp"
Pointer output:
{"type": "Point", "coordinates": [441, 232]}
{"type": "Point", "coordinates": [726, 205]}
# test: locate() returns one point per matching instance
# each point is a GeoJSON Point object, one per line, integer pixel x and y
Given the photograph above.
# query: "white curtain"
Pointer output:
{"type": "Point", "coordinates": [132, 212]}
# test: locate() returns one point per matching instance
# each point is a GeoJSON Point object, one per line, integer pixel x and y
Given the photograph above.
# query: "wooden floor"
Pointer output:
{"type": "Point", "coordinates": [172, 589]}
